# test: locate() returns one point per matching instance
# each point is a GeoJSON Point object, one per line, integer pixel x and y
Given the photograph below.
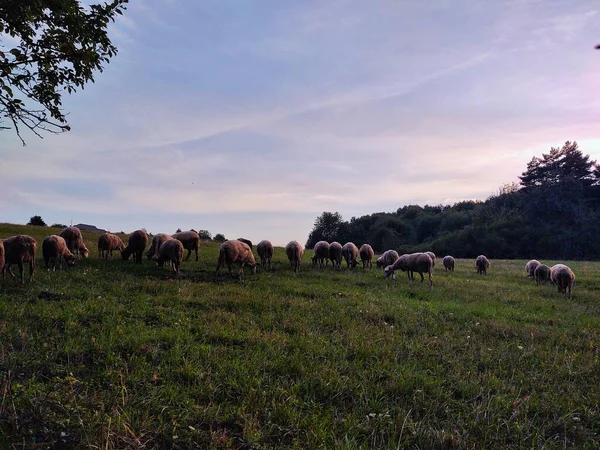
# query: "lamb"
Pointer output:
{"type": "Point", "coordinates": [190, 241]}
{"type": "Point", "coordinates": [563, 277]}
{"type": "Point", "coordinates": [448, 263]}
{"type": "Point", "coordinates": [54, 249]}
{"type": "Point", "coordinates": [294, 252]}
{"type": "Point", "coordinates": [366, 256]}
{"type": "Point", "coordinates": [335, 254]}
{"type": "Point", "coordinates": [171, 250]}
{"type": "Point", "coordinates": [157, 241]}
{"type": "Point", "coordinates": [414, 262]}
{"type": "Point", "coordinates": [235, 251]}
{"type": "Point", "coordinates": [265, 252]}
{"type": "Point", "coordinates": [108, 242]}
{"type": "Point", "coordinates": [321, 255]}
{"type": "Point", "coordinates": [136, 245]}
{"type": "Point", "coordinates": [432, 256]}
{"type": "Point", "coordinates": [18, 250]}
{"type": "Point", "coordinates": [530, 267]}
{"type": "Point", "coordinates": [74, 239]}
{"type": "Point", "coordinates": [542, 274]}
{"type": "Point", "coordinates": [350, 253]}
{"type": "Point", "coordinates": [388, 258]}
{"type": "Point", "coordinates": [482, 264]}
{"type": "Point", "coordinates": [246, 241]}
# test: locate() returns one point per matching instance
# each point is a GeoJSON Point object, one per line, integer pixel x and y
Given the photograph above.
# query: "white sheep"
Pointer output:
{"type": "Point", "coordinates": [108, 242]}
{"type": "Point", "coordinates": [190, 241]}
{"type": "Point", "coordinates": [18, 250]}
{"type": "Point", "coordinates": [448, 263]}
{"type": "Point", "coordinates": [530, 267]}
{"type": "Point", "coordinates": [563, 277]}
{"type": "Point", "coordinates": [135, 245]}
{"type": "Point", "coordinates": [350, 253]}
{"type": "Point", "coordinates": [414, 262]}
{"type": "Point", "coordinates": [294, 252]}
{"type": "Point", "coordinates": [482, 264]}
{"type": "Point", "coordinates": [157, 241]}
{"type": "Point", "coordinates": [388, 258]}
{"type": "Point", "coordinates": [432, 256]}
{"type": "Point", "coordinates": [74, 240]}
{"type": "Point", "coordinates": [170, 250]}
{"type": "Point", "coordinates": [265, 252]}
{"type": "Point", "coordinates": [366, 256]}
{"type": "Point", "coordinates": [235, 251]}
{"type": "Point", "coordinates": [54, 249]}
{"type": "Point", "coordinates": [542, 274]}
{"type": "Point", "coordinates": [336, 254]}
{"type": "Point", "coordinates": [321, 254]}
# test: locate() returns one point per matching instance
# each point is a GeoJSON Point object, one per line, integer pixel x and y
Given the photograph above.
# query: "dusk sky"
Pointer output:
{"type": "Point", "coordinates": [251, 118]}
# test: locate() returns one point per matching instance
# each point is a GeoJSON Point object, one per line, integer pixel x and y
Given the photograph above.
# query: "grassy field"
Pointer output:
{"type": "Point", "coordinates": [113, 355]}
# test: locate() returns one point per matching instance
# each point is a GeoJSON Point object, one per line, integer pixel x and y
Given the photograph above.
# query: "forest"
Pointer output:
{"type": "Point", "coordinates": [552, 213]}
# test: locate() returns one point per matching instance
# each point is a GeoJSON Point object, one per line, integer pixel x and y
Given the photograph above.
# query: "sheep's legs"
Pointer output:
{"type": "Point", "coordinates": [188, 255]}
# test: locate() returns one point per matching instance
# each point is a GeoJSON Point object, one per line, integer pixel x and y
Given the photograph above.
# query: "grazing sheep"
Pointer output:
{"type": "Point", "coordinates": [74, 240]}
{"type": "Point", "coordinates": [1, 255]}
{"type": "Point", "coordinates": [563, 277]}
{"type": "Point", "coordinates": [18, 250]}
{"type": "Point", "coordinates": [190, 241]}
{"type": "Point", "coordinates": [414, 262]}
{"type": "Point", "coordinates": [530, 267]}
{"type": "Point", "coordinates": [108, 242]}
{"type": "Point", "coordinates": [321, 255]}
{"type": "Point", "coordinates": [335, 255]}
{"type": "Point", "coordinates": [448, 263]}
{"type": "Point", "coordinates": [136, 245]}
{"type": "Point", "coordinates": [170, 250]}
{"type": "Point", "coordinates": [157, 241]}
{"type": "Point", "coordinates": [482, 264]}
{"type": "Point", "coordinates": [235, 251]}
{"type": "Point", "coordinates": [54, 249]}
{"type": "Point", "coordinates": [265, 252]}
{"type": "Point", "coordinates": [366, 256]}
{"type": "Point", "coordinates": [388, 258]}
{"type": "Point", "coordinates": [294, 252]}
{"type": "Point", "coordinates": [542, 274]}
{"type": "Point", "coordinates": [246, 241]}
{"type": "Point", "coordinates": [432, 256]}
{"type": "Point", "coordinates": [350, 253]}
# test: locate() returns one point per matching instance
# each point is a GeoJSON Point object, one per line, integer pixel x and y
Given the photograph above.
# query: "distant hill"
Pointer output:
{"type": "Point", "coordinates": [86, 227]}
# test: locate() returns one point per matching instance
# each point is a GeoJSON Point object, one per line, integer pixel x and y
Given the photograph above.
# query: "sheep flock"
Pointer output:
{"type": "Point", "coordinates": [164, 248]}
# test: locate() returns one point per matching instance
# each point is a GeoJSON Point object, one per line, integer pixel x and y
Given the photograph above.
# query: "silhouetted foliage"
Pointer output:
{"type": "Point", "coordinates": [37, 221]}
{"type": "Point", "coordinates": [205, 234]}
{"type": "Point", "coordinates": [58, 225]}
{"type": "Point", "coordinates": [219, 238]}
{"type": "Point", "coordinates": [553, 214]}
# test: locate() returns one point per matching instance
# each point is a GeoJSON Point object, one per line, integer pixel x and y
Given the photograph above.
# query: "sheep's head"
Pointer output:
{"type": "Point", "coordinates": [84, 252]}
{"type": "Point", "coordinates": [389, 270]}
{"type": "Point", "coordinates": [70, 258]}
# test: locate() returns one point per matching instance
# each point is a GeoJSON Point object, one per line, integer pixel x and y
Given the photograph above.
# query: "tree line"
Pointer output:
{"type": "Point", "coordinates": [553, 213]}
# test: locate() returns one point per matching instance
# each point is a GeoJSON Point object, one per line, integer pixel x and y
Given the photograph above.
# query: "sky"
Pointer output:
{"type": "Point", "coordinates": [252, 118]}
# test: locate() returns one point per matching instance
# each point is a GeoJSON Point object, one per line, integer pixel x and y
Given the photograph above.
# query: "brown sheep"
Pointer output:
{"type": "Point", "coordinates": [108, 242]}
{"type": "Point", "coordinates": [294, 252]}
{"type": "Point", "coordinates": [54, 249]}
{"type": "Point", "coordinates": [530, 267]}
{"type": "Point", "coordinates": [414, 262]}
{"type": "Point", "coordinates": [336, 255]}
{"type": "Point", "coordinates": [18, 250]}
{"type": "Point", "coordinates": [388, 258]}
{"type": "Point", "coordinates": [157, 241]}
{"type": "Point", "coordinates": [190, 241]}
{"type": "Point", "coordinates": [448, 263]}
{"type": "Point", "coordinates": [542, 274]}
{"type": "Point", "coordinates": [563, 277]}
{"type": "Point", "coordinates": [74, 240]}
{"type": "Point", "coordinates": [136, 245]}
{"type": "Point", "coordinates": [482, 264]}
{"type": "Point", "coordinates": [350, 253]}
{"type": "Point", "coordinates": [321, 254]}
{"type": "Point", "coordinates": [265, 252]}
{"type": "Point", "coordinates": [366, 256]}
{"type": "Point", "coordinates": [235, 251]}
{"type": "Point", "coordinates": [171, 250]}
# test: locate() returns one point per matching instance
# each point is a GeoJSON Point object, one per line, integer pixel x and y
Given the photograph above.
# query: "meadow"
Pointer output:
{"type": "Point", "coordinates": [108, 354]}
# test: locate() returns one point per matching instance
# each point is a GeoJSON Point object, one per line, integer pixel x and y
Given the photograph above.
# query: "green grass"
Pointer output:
{"type": "Point", "coordinates": [114, 355]}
